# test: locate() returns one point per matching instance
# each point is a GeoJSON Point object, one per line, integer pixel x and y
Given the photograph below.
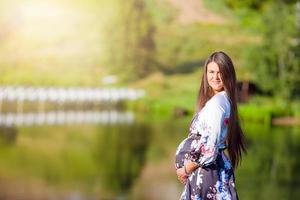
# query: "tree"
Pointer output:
{"type": "Point", "coordinates": [131, 35]}
{"type": "Point", "coordinates": [275, 62]}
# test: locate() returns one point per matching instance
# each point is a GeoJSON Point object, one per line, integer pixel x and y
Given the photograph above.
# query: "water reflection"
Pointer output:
{"type": "Point", "coordinates": [93, 161]}
{"type": "Point", "coordinates": [271, 168]}
{"type": "Point", "coordinates": [121, 152]}
{"type": "Point", "coordinates": [53, 94]}
{"type": "Point", "coordinates": [134, 161]}
{"type": "Point", "coordinates": [65, 117]}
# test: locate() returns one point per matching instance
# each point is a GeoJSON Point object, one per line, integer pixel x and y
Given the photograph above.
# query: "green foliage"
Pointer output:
{"type": "Point", "coordinates": [268, 108]}
{"type": "Point", "coordinates": [131, 47]}
{"type": "Point", "coordinates": [254, 4]}
{"type": "Point", "coordinates": [161, 12]}
{"type": "Point", "coordinates": [275, 62]}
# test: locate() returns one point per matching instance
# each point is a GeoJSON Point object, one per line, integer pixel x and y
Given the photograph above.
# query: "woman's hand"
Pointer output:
{"type": "Point", "coordinates": [181, 175]}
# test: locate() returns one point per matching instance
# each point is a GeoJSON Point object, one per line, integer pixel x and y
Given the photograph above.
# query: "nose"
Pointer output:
{"type": "Point", "coordinates": [215, 76]}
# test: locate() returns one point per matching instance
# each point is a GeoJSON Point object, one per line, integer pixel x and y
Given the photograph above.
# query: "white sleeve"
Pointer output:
{"type": "Point", "coordinates": [208, 125]}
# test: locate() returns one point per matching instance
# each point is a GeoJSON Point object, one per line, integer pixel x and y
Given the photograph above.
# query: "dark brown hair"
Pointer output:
{"type": "Point", "coordinates": [235, 136]}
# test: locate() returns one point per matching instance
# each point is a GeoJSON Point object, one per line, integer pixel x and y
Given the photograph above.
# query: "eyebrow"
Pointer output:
{"type": "Point", "coordinates": [212, 70]}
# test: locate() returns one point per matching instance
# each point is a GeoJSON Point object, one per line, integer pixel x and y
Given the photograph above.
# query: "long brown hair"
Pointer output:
{"type": "Point", "coordinates": [235, 136]}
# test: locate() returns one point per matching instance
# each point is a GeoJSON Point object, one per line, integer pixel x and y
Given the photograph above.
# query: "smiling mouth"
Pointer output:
{"type": "Point", "coordinates": [216, 82]}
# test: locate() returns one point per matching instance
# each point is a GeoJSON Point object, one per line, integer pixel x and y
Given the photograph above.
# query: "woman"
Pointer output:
{"type": "Point", "coordinates": [201, 162]}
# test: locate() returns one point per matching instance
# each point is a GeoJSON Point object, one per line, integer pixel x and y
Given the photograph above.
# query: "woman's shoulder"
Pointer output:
{"type": "Point", "coordinates": [220, 100]}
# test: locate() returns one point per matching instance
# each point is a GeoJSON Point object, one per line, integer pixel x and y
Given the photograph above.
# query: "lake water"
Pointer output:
{"type": "Point", "coordinates": [104, 159]}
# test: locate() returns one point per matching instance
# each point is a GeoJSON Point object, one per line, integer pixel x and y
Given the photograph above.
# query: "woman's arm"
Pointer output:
{"type": "Point", "coordinates": [184, 172]}
{"type": "Point", "coordinates": [190, 166]}
{"type": "Point", "coordinates": [209, 126]}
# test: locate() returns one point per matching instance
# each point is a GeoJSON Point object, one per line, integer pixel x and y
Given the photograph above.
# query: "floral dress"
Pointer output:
{"type": "Point", "coordinates": [205, 144]}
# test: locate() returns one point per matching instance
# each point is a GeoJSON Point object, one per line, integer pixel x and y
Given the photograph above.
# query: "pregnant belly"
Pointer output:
{"type": "Point", "coordinates": [184, 150]}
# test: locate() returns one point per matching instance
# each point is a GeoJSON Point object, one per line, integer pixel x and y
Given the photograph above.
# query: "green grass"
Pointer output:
{"type": "Point", "coordinates": [166, 92]}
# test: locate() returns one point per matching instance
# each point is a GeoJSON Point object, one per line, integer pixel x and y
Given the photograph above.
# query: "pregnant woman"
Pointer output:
{"type": "Point", "coordinates": [202, 164]}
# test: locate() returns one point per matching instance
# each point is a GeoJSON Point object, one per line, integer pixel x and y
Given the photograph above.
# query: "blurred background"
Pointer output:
{"type": "Point", "coordinates": [96, 95]}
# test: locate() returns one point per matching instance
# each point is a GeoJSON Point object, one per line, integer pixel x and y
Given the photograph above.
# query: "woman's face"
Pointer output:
{"type": "Point", "coordinates": [214, 77]}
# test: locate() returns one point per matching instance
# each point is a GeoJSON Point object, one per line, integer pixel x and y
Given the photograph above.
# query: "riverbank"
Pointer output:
{"type": "Point", "coordinates": [166, 94]}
